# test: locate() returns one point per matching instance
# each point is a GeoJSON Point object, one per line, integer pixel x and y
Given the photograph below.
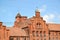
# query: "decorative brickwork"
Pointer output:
{"type": "Point", "coordinates": [34, 28]}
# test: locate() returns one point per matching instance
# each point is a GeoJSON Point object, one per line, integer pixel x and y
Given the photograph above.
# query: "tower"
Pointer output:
{"type": "Point", "coordinates": [18, 17]}
{"type": "Point", "coordinates": [37, 13]}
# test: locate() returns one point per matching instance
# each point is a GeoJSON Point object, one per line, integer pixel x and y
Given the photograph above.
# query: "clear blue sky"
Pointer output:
{"type": "Point", "coordinates": [50, 10]}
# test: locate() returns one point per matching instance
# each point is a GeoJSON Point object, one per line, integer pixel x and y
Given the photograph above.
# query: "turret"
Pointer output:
{"type": "Point", "coordinates": [18, 17]}
{"type": "Point", "coordinates": [37, 13]}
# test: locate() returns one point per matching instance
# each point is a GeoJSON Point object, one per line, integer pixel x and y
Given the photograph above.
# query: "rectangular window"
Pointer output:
{"type": "Point", "coordinates": [44, 34]}
{"type": "Point", "coordinates": [11, 38]}
{"type": "Point", "coordinates": [24, 38]}
{"type": "Point", "coordinates": [33, 33]}
{"type": "Point", "coordinates": [56, 33]}
{"type": "Point", "coordinates": [18, 38]}
{"type": "Point", "coordinates": [7, 34]}
{"type": "Point", "coordinates": [40, 33]}
{"type": "Point", "coordinates": [37, 33]}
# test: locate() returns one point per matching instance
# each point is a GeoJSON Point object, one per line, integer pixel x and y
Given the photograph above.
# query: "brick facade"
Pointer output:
{"type": "Point", "coordinates": [34, 28]}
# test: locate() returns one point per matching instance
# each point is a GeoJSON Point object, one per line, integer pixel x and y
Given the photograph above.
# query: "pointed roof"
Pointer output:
{"type": "Point", "coordinates": [18, 15]}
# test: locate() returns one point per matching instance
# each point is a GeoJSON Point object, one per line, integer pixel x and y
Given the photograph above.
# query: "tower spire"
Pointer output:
{"type": "Point", "coordinates": [18, 15]}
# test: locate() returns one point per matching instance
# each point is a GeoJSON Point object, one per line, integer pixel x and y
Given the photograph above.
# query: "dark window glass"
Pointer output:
{"type": "Point", "coordinates": [40, 33]}
{"type": "Point", "coordinates": [59, 33]}
{"type": "Point", "coordinates": [37, 33]}
{"type": "Point", "coordinates": [11, 38]}
{"type": "Point", "coordinates": [18, 38]}
{"type": "Point", "coordinates": [24, 38]}
{"type": "Point", "coordinates": [33, 33]}
{"type": "Point", "coordinates": [49, 33]}
{"type": "Point", "coordinates": [38, 25]}
{"type": "Point", "coordinates": [44, 34]}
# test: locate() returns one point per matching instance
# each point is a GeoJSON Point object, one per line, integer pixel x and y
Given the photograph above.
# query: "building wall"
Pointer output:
{"type": "Point", "coordinates": [38, 27]}
{"type": "Point", "coordinates": [36, 30]}
{"type": "Point", "coordinates": [54, 35]}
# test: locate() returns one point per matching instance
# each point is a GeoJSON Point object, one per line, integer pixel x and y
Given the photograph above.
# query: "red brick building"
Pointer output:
{"type": "Point", "coordinates": [34, 28]}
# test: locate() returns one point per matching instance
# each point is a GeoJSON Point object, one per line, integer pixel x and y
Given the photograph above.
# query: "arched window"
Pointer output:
{"type": "Point", "coordinates": [38, 25]}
